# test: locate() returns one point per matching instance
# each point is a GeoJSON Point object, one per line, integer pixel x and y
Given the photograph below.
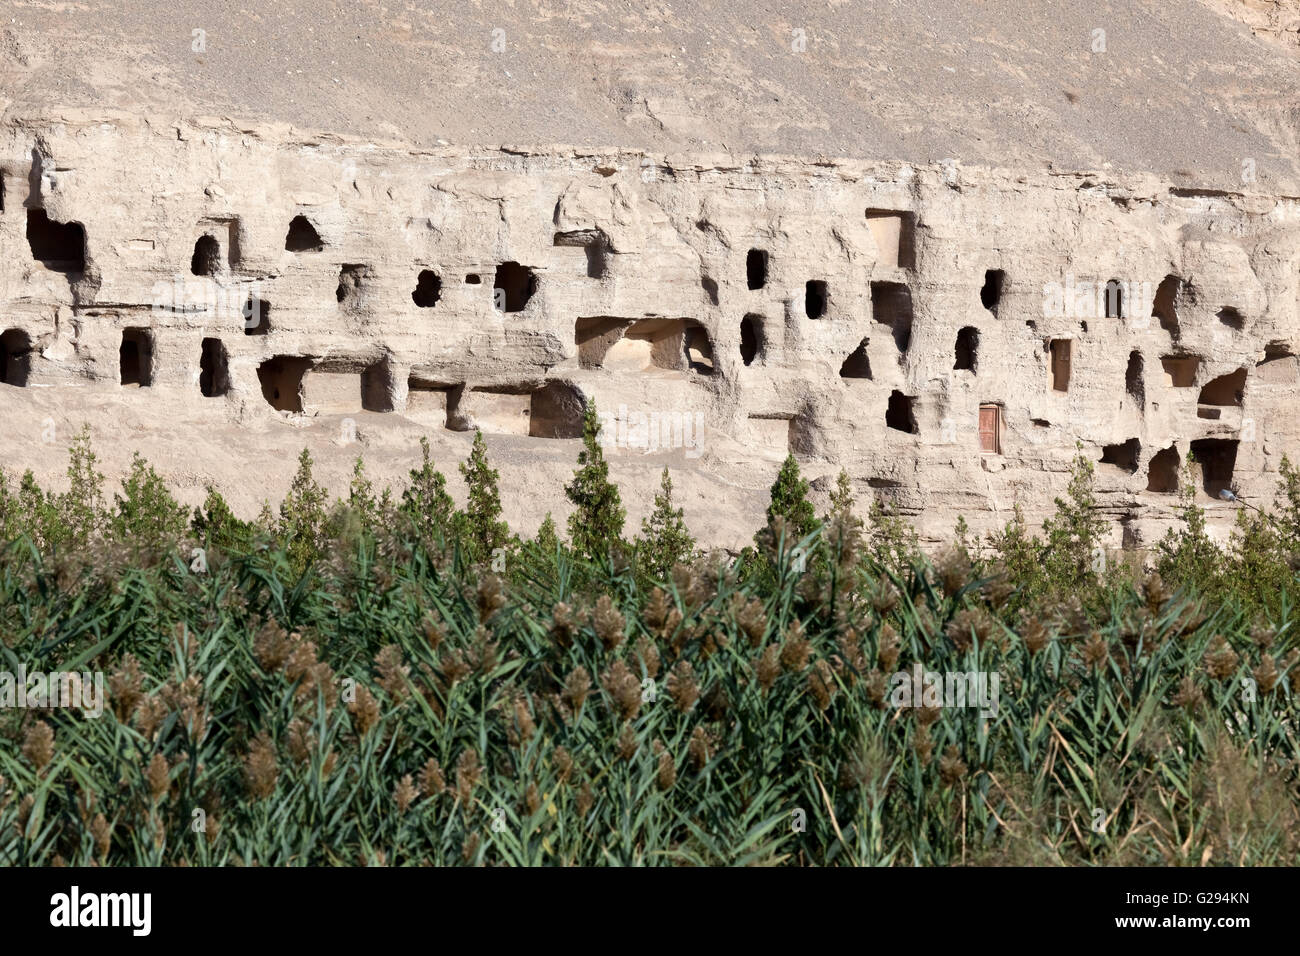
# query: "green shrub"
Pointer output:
{"type": "Point", "coordinates": [146, 515]}
{"type": "Point", "coordinates": [596, 524]}
{"type": "Point", "coordinates": [789, 501]}
{"type": "Point", "coordinates": [481, 527]}
{"type": "Point", "coordinates": [664, 539]}
{"type": "Point", "coordinates": [1074, 559]}
{"type": "Point", "coordinates": [216, 526]}
{"type": "Point", "coordinates": [1186, 557]}
{"type": "Point", "coordinates": [79, 515]}
{"type": "Point", "coordinates": [303, 517]}
{"type": "Point", "coordinates": [425, 502]}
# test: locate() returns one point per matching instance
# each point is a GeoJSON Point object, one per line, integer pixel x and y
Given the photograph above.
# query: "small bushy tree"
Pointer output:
{"type": "Point", "coordinates": [1019, 554]}
{"type": "Point", "coordinates": [216, 526]}
{"type": "Point", "coordinates": [361, 497]}
{"type": "Point", "coordinates": [547, 538]}
{"type": "Point", "coordinates": [891, 542]}
{"type": "Point", "coordinates": [789, 500]}
{"type": "Point", "coordinates": [13, 523]}
{"type": "Point", "coordinates": [596, 525]}
{"type": "Point", "coordinates": [1287, 507]}
{"type": "Point", "coordinates": [1074, 533]}
{"type": "Point", "coordinates": [39, 512]}
{"type": "Point", "coordinates": [843, 501]}
{"type": "Point", "coordinates": [1258, 572]}
{"type": "Point", "coordinates": [303, 516]}
{"type": "Point", "coordinates": [664, 540]}
{"type": "Point", "coordinates": [1186, 556]}
{"type": "Point", "coordinates": [146, 515]}
{"type": "Point", "coordinates": [425, 502]}
{"type": "Point", "coordinates": [82, 515]}
{"type": "Point", "coordinates": [482, 529]}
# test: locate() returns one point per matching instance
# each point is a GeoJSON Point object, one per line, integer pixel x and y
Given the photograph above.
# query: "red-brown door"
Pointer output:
{"type": "Point", "coordinates": [990, 440]}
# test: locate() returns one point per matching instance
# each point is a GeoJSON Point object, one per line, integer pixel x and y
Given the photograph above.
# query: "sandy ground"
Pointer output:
{"type": "Point", "coordinates": [1167, 86]}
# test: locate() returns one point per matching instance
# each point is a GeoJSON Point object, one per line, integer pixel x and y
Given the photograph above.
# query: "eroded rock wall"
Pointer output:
{"type": "Point", "coordinates": [945, 333]}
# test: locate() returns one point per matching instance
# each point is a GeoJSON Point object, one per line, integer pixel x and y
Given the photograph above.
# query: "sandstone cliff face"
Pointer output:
{"type": "Point", "coordinates": [1058, 225]}
{"type": "Point", "coordinates": [1276, 20]}
{"type": "Point", "coordinates": [219, 296]}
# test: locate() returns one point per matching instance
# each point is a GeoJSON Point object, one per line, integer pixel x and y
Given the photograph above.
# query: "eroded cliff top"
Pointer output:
{"type": "Point", "coordinates": [1181, 88]}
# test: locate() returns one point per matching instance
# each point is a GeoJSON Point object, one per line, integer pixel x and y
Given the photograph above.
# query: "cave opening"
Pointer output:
{"type": "Point", "coordinates": [756, 268]}
{"type": "Point", "coordinates": [967, 349]}
{"type": "Point", "coordinates": [214, 374]}
{"type": "Point", "coordinates": [59, 246]}
{"type": "Point", "coordinates": [751, 338]}
{"type": "Point", "coordinates": [1217, 458]}
{"type": "Point", "coordinates": [257, 316]}
{"type": "Point", "coordinates": [206, 260]}
{"type": "Point", "coordinates": [814, 299]}
{"type": "Point", "coordinates": [281, 378]}
{"type": "Point", "coordinates": [901, 413]}
{"type": "Point", "coordinates": [857, 365]}
{"type": "Point", "coordinates": [991, 293]}
{"type": "Point", "coordinates": [302, 236]}
{"type": "Point", "coordinates": [428, 289]}
{"type": "Point", "coordinates": [513, 287]}
{"type": "Point", "coordinates": [1162, 472]}
{"type": "Point", "coordinates": [135, 358]}
{"type": "Point", "coordinates": [891, 304]}
{"type": "Point", "coordinates": [15, 357]}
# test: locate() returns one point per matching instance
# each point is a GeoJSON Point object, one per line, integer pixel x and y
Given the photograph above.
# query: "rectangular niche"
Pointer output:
{"type": "Point", "coordinates": [552, 409]}
{"type": "Point", "coordinates": [1217, 459]}
{"type": "Point", "coordinates": [135, 358]}
{"type": "Point", "coordinates": [428, 401]}
{"type": "Point", "coordinates": [343, 386]}
{"type": "Point", "coordinates": [894, 233]}
{"type": "Point", "coordinates": [1180, 370]}
{"type": "Point", "coordinates": [1061, 352]}
{"type": "Point", "coordinates": [769, 434]}
{"type": "Point", "coordinates": [642, 345]}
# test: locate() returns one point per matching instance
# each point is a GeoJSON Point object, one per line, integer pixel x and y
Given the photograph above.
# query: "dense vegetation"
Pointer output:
{"type": "Point", "coordinates": [389, 679]}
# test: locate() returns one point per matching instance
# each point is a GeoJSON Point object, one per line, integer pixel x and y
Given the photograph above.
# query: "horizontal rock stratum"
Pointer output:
{"type": "Point", "coordinates": [216, 287]}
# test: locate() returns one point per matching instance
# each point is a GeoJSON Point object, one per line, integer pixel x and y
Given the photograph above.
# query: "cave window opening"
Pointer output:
{"type": "Point", "coordinates": [15, 357]}
{"type": "Point", "coordinates": [901, 413]}
{"type": "Point", "coordinates": [428, 289]}
{"type": "Point", "coordinates": [214, 375]}
{"type": "Point", "coordinates": [514, 286]}
{"type": "Point", "coordinates": [991, 293]}
{"type": "Point", "coordinates": [135, 358]}
{"type": "Point", "coordinates": [814, 299]}
{"type": "Point", "coordinates": [302, 236]}
{"type": "Point", "coordinates": [206, 260]}
{"type": "Point", "coordinates": [967, 349]}
{"type": "Point", "coordinates": [756, 268]}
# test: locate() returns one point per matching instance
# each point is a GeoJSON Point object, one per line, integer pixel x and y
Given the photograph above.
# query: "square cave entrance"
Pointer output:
{"type": "Point", "coordinates": [342, 386]}
{"type": "Point", "coordinates": [214, 373]}
{"type": "Point", "coordinates": [549, 410]}
{"type": "Point", "coordinates": [281, 379]}
{"type": "Point", "coordinates": [894, 232]}
{"type": "Point", "coordinates": [642, 345]}
{"type": "Point", "coordinates": [59, 246]}
{"type": "Point", "coordinates": [1216, 458]}
{"type": "Point", "coordinates": [15, 357]}
{"type": "Point", "coordinates": [135, 358]}
{"type": "Point", "coordinates": [891, 305]}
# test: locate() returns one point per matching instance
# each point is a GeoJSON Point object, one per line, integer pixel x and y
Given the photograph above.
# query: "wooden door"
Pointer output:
{"type": "Point", "coordinates": [1061, 365]}
{"type": "Point", "coordinates": [990, 439]}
